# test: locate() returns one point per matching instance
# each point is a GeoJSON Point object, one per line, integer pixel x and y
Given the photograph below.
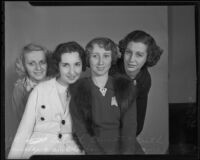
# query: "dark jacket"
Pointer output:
{"type": "Point", "coordinates": [143, 80]}
{"type": "Point", "coordinates": [95, 138]}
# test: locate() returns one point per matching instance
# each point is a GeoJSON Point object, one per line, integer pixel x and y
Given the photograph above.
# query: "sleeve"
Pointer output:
{"type": "Point", "coordinates": [128, 130]}
{"type": "Point", "coordinates": [142, 100]}
{"type": "Point", "coordinates": [25, 128]}
{"type": "Point", "coordinates": [88, 142]}
{"type": "Point", "coordinates": [19, 99]}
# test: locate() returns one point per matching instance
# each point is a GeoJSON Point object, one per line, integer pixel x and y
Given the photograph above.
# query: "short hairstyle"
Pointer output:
{"type": "Point", "coordinates": [153, 50]}
{"type": "Point", "coordinates": [105, 43]}
{"type": "Point", "coordinates": [20, 61]}
{"type": "Point", "coordinates": [67, 47]}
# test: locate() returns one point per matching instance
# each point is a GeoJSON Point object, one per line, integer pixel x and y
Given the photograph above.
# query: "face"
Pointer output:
{"type": "Point", "coordinates": [35, 65]}
{"type": "Point", "coordinates": [70, 68]}
{"type": "Point", "coordinates": [100, 60]}
{"type": "Point", "coordinates": [135, 57]}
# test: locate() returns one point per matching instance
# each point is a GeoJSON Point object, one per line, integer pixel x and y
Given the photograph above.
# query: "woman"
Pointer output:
{"type": "Point", "coordinates": [138, 52]}
{"type": "Point", "coordinates": [103, 109]}
{"type": "Point", "coordinates": [46, 124]}
{"type": "Point", "coordinates": [32, 67]}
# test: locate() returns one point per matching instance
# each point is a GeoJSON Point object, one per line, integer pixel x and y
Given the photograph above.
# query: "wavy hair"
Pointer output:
{"type": "Point", "coordinates": [67, 47]}
{"type": "Point", "coordinates": [105, 43]}
{"type": "Point", "coordinates": [154, 52]}
{"type": "Point", "coordinates": [20, 61]}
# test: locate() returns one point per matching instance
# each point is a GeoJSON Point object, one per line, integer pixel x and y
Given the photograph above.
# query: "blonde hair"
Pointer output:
{"type": "Point", "coordinates": [19, 63]}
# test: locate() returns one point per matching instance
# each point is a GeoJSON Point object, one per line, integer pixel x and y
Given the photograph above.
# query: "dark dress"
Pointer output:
{"type": "Point", "coordinates": [105, 124]}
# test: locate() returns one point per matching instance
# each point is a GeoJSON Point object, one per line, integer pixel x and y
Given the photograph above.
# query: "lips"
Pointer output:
{"type": "Point", "coordinates": [71, 78]}
{"type": "Point", "coordinates": [38, 73]}
{"type": "Point", "coordinates": [131, 65]}
{"type": "Point", "coordinates": [100, 68]}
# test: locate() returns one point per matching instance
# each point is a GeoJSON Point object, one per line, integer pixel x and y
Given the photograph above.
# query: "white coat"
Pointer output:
{"type": "Point", "coordinates": [45, 127]}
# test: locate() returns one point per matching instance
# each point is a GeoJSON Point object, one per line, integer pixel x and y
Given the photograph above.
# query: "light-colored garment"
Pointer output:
{"type": "Point", "coordinates": [21, 91]}
{"type": "Point", "coordinates": [52, 132]}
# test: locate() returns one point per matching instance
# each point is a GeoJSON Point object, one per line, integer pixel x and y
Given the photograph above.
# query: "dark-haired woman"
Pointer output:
{"type": "Point", "coordinates": [138, 52]}
{"type": "Point", "coordinates": [45, 127]}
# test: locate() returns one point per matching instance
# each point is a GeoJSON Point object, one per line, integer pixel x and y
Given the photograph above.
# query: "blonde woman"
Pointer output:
{"type": "Point", "coordinates": [46, 124]}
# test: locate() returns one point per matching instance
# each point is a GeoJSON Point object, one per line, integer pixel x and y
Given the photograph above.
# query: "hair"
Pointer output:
{"type": "Point", "coordinates": [68, 47]}
{"type": "Point", "coordinates": [105, 43]}
{"type": "Point", "coordinates": [20, 61]}
{"type": "Point", "coordinates": [153, 50]}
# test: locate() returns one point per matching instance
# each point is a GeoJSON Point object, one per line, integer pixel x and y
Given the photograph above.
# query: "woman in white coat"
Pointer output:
{"type": "Point", "coordinates": [45, 127]}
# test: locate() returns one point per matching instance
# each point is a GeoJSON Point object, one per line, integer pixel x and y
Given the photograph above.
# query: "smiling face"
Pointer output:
{"type": "Point", "coordinates": [100, 60]}
{"type": "Point", "coordinates": [135, 57]}
{"type": "Point", "coordinates": [70, 68]}
{"type": "Point", "coordinates": [35, 65]}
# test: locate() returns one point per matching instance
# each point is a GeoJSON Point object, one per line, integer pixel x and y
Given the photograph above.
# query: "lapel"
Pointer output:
{"type": "Point", "coordinates": [54, 99]}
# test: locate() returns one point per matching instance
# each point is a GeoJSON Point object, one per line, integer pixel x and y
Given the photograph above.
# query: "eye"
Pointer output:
{"type": "Point", "coordinates": [127, 52]}
{"type": "Point", "coordinates": [107, 55]}
{"type": "Point", "coordinates": [65, 65]}
{"type": "Point", "coordinates": [139, 54]}
{"type": "Point", "coordinates": [31, 63]}
{"type": "Point", "coordinates": [78, 64]}
{"type": "Point", "coordinates": [93, 55]}
{"type": "Point", "coordinates": [43, 62]}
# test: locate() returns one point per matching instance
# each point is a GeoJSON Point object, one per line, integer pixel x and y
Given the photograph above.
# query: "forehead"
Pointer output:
{"type": "Point", "coordinates": [98, 49]}
{"type": "Point", "coordinates": [34, 55]}
{"type": "Point", "coordinates": [71, 57]}
{"type": "Point", "coordinates": [137, 46]}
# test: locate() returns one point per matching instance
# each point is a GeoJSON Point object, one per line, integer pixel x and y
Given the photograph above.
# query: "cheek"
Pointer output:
{"type": "Point", "coordinates": [109, 61]}
{"type": "Point", "coordinates": [142, 61]}
{"type": "Point", "coordinates": [28, 68]}
{"type": "Point", "coordinates": [93, 61]}
{"type": "Point", "coordinates": [44, 66]}
{"type": "Point", "coordinates": [63, 70]}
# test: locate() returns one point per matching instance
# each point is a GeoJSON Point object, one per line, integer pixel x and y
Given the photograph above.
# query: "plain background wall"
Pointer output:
{"type": "Point", "coordinates": [182, 63]}
{"type": "Point", "coordinates": [49, 26]}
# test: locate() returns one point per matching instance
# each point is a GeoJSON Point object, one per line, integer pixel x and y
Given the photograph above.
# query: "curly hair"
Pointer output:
{"type": "Point", "coordinates": [105, 43]}
{"type": "Point", "coordinates": [153, 50]}
{"type": "Point", "coordinates": [20, 61]}
{"type": "Point", "coordinates": [67, 47]}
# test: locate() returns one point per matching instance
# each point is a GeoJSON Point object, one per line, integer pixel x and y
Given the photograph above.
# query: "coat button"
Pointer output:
{"type": "Point", "coordinates": [60, 135]}
{"type": "Point", "coordinates": [42, 118]}
{"type": "Point", "coordinates": [43, 106]}
{"type": "Point", "coordinates": [63, 122]}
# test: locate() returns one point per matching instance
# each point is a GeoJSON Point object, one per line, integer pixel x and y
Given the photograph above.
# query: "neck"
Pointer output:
{"type": "Point", "coordinates": [132, 75]}
{"type": "Point", "coordinates": [61, 82]}
{"type": "Point", "coordinates": [33, 80]}
{"type": "Point", "coordinates": [100, 81]}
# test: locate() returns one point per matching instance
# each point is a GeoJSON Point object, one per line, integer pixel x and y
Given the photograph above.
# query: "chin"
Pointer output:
{"type": "Point", "coordinates": [72, 81]}
{"type": "Point", "coordinates": [132, 69]}
{"type": "Point", "coordinates": [39, 78]}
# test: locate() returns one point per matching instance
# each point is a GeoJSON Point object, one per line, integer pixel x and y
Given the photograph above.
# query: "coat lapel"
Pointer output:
{"type": "Point", "coordinates": [54, 99]}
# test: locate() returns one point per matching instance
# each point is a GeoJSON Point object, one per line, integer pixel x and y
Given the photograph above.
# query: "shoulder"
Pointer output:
{"type": "Point", "coordinates": [144, 80]}
{"type": "Point", "coordinates": [80, 86]}
{"type": "Point", "coordinates": [19, 86]}
{"type": "Point", "coordinates": [123, 87]}
{"type": "Point", "coordinates": [46, 85]}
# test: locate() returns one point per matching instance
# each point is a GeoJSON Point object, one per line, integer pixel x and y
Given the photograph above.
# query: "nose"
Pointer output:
{"type": "Point", "coordinates": [38, 67]}
{"type": "Point", "coordinates": [100, 62]}
{"type": "Point", "coordinates": [71, 71]}
{"type": "Point", "coordinates": [132, 58]}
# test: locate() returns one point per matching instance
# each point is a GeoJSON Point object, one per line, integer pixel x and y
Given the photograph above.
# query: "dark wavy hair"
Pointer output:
{"type": "Point", "coordinates": [105, 43]}
{"type": "Point", "coordinates": [67, 47]}
{"type": "Point", "coordinates": [153, 50]}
